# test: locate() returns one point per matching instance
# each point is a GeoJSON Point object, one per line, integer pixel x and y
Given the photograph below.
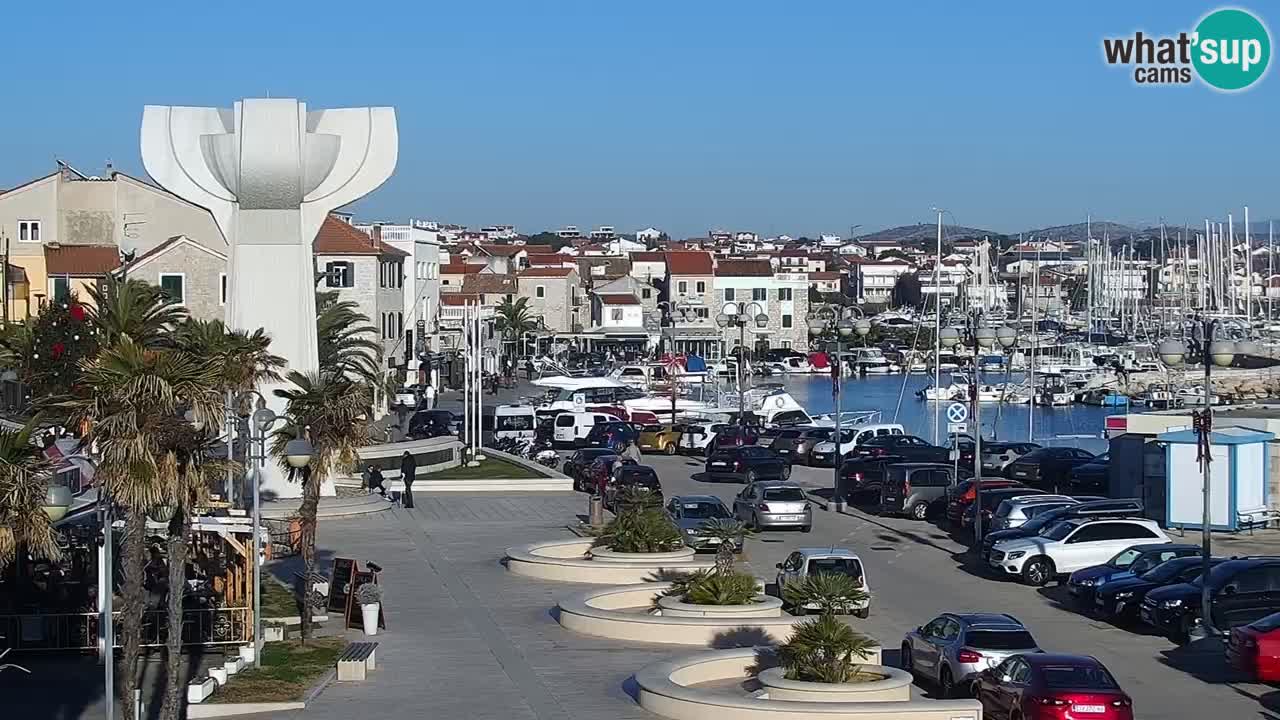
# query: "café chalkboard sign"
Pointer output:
{"type": "Point", "coordinates": [340, 588]}
{"type": "Point", "coordinates": [352, 611]}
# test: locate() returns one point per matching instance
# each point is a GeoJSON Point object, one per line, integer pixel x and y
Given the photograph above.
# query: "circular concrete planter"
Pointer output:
{"type": "Point", "coordinates": [894, 684]}
{"type": "Point", "coordinates": [764, 606]}
{"type": "Point", "coordinates": [618, 613]}
{"type": "Point", "coordinates": [570, 560]}
{"type": "Point", "coordinates": [604, 554]}
{"type": "Point", "coordinates": [669, 689]}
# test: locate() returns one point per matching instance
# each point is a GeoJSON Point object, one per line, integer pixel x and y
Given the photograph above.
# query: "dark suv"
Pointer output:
{"type": "Point", "coordinates": [747, 464]}
{"type": "Point", "coordinates": [430, 423]}
{"type": "Point", "coordinates": [1240, 592]}
{"type": "Point", "coordinates": [632, 476]}
{"type": "Point", "coordinates": [909, 447]}
{"type": "Point", "coordinates": [613, 435]}
{"type": "Point", "coordinates": [1048, 468]}
{"type": "Point", "coordinates": [861, 478]}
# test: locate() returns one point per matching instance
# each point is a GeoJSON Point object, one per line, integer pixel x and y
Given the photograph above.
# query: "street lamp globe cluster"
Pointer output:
{"type": "Point", "coordinates": [840, 320]}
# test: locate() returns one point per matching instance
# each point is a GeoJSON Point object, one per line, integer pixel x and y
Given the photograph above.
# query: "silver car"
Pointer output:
{"type": "Point", "coordinates": [996, 456]}
{"type": "Point", "coordinates": [1015, 512]}
{"type": "Point", "coordinates": [954, 647]}
{"type": "Point", "coordinates": [691, 512]}
{"type": "Point", "coordinates": [772, 504]}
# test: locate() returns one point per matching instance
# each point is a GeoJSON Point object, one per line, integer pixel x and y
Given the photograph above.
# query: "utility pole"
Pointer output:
{"type": "Point", "coordinates": [937, 332]}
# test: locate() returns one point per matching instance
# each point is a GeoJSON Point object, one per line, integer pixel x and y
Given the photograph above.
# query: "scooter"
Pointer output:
{"type": "Point", "coordinates": [548, 458]}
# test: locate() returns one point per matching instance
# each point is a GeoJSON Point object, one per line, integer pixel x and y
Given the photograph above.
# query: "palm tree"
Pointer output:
{"type": "Point", "coordinates": [831, 592]}
{"type": "Point", "coordinates": [134, 308]}
{"type": "Point", "coordinates": [332, 409]}
{"type": "Point", "coordinates": [731, 533]}
{"type": "Point", "coordinates": [24, 477]}
{"type": "Point", "coordinates": [347, 342]}
{"type": "Point", "coordinates": [514, 320]}
{"type": "Point", "coordinates": [825, 650]}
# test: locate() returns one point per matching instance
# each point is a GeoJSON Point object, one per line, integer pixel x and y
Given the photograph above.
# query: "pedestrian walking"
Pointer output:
{"type": "Point", "coordinates": [429, 397]}
{"type": "Point", "coordinates": [408, 472]}
{"type": "Point", "coordinates": [528, 369]}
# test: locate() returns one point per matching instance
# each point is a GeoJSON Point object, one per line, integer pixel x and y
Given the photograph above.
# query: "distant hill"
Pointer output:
{"type": "Point", "coordinates": [1079, 232]}
{"type": "Point", "coordinates": [927, 232]}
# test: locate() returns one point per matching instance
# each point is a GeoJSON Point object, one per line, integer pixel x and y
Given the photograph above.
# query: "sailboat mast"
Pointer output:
{"type": "Point", "coordinates": [1248, 275]}
{"type": "Point", "coordinates": [1091, 276]}
{"type": "Point", "coordinates": [1035, 347]}
{"type": "Point", "coordinates": [937, 332]}
{"type": "Point", "coordinates": [1271, 266]}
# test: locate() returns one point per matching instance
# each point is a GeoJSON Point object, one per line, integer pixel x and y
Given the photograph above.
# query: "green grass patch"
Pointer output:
{"type": "Point", "coordinates": [289, 669]}
{"type": "Point", "coordinates": [489, 468]}
{"type": "Point", "coordinates": [277, 600]}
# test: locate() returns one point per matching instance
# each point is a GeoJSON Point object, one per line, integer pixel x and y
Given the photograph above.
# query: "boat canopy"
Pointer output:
{"type": "Point", "coordinates": [572, 383]}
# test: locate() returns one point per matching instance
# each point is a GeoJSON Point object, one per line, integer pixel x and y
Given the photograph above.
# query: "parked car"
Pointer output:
{"type": "Point", "coordinates": [613, 435]}
{"type": "Point", "coordinates": [796, 443]}
{"type": "Point", "coordinates": [823, 454]}
{"type": "Point", "coordinates": [1043, 686]}
{"type": "Point", "coordinates": [1048, 467]}
{"type": "Point", "coordinates": [962, 494]}
{"type": "Point", "coordinates": [1119, 599]}
{"type": "Point", "coordinates": [579, 463]}
{"type": "Point", "coordinates": [991, 499]}
{"type": "Point", "coordinates": [1015, 512]}
{"type": "Point", "coordinates": [1048, 518]}
{"type": "Point", "coordinates": [808, 561]}
{"type": "Point", "coordinates": [1091, 477]}
{"type": "Point", "coordinates": [953, 648]}
{"type": "Point", "coordinates": [915, 489]}
{"type": "Point", "coordinates": [660, 438]}
{"type": "Point", "coordinates": [1255, 649]}
{"type": "Point", "coordinates": [1070, 545]}
{"type": "Point", "coordinates": [773, 504]}
{"type": "Point", "coordinates": [1240, 592]}
{"type": "Point", "coordinates": [697, 436]}
{"type": "Point", "coordinates": [430, 423]}
{"type": "Point", "coordinates": [862, 477]}
{"type": "Point", "coordinates": [572, 428]}
{"type": "Point", "coordinates": [631, 476]}
{"type": "Point", "coordinates": [732, 436]}
{"type": "Point", "coordinates": [746, 464]}
{"type": "Point", "coordinates": [996, 456]}
{"type": "Point", "coordinates": [691, 512]}
{"type": "Point", "coordinates": [600, 472]}
{"type": "Point", "coordinates": [1129, 562]}
{"type": "Point", "coordinates": [908, 447]}
{"type": "Point", "coordinates": [784, 440]}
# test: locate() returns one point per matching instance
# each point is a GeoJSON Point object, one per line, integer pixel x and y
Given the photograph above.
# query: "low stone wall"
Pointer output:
{"type": "Point", "coordinates": [895, 686]}
{"type": "Point", "coordinates": [764, 606]}
{"type": "Point", "coordinates": [566, 560]}
{"type": "Point", "coordinates": [430, 453]}
{"type": "Point", "coordinates": [604, 554]}
{"type": "Point", "coordinates": [611, 613]}
{"type": "Point", "coordinates": [665, 689]}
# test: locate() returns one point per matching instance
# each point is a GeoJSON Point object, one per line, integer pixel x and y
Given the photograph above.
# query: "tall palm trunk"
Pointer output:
{"type": "Point", "coordinates": [307, 518]}
{"type": "Point", "coordinates": [179, 528]}
{"type": "Point", "coordinates": [133, 602]}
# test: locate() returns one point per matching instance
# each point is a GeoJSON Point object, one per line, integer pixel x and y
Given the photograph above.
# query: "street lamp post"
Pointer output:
{"type": "Point", "coordinates": [839, 320]}
{"type": "Point", "coordinates": [1220, 353]}
{"type": "Point", "coordinates": [740, 315]}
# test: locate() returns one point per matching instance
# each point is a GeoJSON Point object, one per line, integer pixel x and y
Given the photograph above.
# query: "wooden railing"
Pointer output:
{"type": "Point", "coordinates": [79, 631]}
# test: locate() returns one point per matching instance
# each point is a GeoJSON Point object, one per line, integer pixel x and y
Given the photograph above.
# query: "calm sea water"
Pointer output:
{"type": "Point", "coordinates": [1074, 425]}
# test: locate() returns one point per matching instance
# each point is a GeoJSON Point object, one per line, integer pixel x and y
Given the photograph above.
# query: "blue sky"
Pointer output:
{"type": "Point", "coordinates": [778, 117]}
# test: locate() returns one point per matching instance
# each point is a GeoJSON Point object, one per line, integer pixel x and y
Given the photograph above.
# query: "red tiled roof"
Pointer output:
{"type": "Point", "coordinates": [824, 276]}
{"type": "Point", "coordinates": [491, 283]}
{"type": "Point", "coordinates": [339, 238]}
{"type": "Point", "coordinates": [458, 298]}
{"type": "Point", "coordinates": [460, 268]}
{"type": "Point", "coordinates": [539, 249]}
{"type": "Point", "coordinates": [81, 259]}
{"type": "Point", "coordinates": [744, 268]}
{"type": "Point", "coordinates": [648, 256]}
{"type": "Point", "coordinates": [546, 272]}
{"type": "Point", "coordinates": [694, 262]}
{"type": "Point", "coordinates": [548, 259]}
{"type": "Point", "coordinates": [618, 299]}
{"type": "Point", "coordinates": [503, 250]}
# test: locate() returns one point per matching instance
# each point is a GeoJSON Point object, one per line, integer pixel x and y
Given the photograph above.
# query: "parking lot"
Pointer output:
{"type": "Point", "coordinates": [918, 570]}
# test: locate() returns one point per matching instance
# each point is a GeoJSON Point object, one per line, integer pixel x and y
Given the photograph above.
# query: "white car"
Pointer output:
{"type": "Point", "coordinates": [697, 436]}
{"type": "Point", "coordinates": [1069, 545]}
{"type": "Point", "coordinates": [812, 561]}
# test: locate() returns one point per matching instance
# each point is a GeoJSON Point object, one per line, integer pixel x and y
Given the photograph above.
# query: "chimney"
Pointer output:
{"type": "Point", "coordinates": [376, 235]}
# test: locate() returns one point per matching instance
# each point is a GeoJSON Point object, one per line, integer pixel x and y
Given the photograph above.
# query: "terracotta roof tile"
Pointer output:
{"type": "Point", "coordinates": [460, 268]}
{"type": "Point", "coordinates": [648, 256]}
{"type": "Point", "coordinates": [744, 268]}
{"type": "Point", "coordinates": [503, 250]}
{"type": "Point", "coordinates": [694, 262]}
{"type": "Point", "coordinates": [824, 276]}
{"type": "Point", "coordinates": [618, 299]}
{"type": "Point", "coordinates": [490, 283]}
{"type": "Point", "coordinates": [81, 259]}
{"type": "Point", "coordinates": [339, 238]}
{"type": "Point", "coordinates": [458, 298]}
{"type": "Point", "coordinates": [546, 272]}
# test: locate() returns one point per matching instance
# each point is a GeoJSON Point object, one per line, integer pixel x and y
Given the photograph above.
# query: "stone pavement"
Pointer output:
{"type": "Point", "coordinates": [464, 639]}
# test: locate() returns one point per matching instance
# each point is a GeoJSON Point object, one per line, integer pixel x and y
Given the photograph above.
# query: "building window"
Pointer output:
{"type": "Point", "coordinates": [399, 324]}
{"type": "Point", "coordinates": [339, 275]}
{"type": "Point", "coordinates": [683, 287]}
{"type": "Point", "coordinates": [701, 313]}
{"type": "Point", "coordinates": [29, 231]}
{"type": "Point", "coordinates": [540, 291]}
{"type": "Point", "coordinates": [702, 287]}
{"type": "Point", "coordinates": [784, 344]}
{"type": "Point", "coordinates": [173, 286]}
{"type": "Point", "coordinates": [444, 282]}
{"type": "Point", "coordinates": [786, 321]}
{"type": "Point", "coordinates": [784, 294]}
{"type": "Point", "coordinates": [645, 293]}
{"type": "Point", "coordinates": [759, 294]}
{"type": "Point", "coordinates": [222, 291]}
{"type": "Point", "coordinates": [615, 314]}
{"type": "Point", "coordinates": [61, 288]}
{"type": "Point", "coordinates": [728, 295]}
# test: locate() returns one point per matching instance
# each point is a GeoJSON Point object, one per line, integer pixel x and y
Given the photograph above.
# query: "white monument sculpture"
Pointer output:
{"type": "Point", "coordinates": [270, 172]}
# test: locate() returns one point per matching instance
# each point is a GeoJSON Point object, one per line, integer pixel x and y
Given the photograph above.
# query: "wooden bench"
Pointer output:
{"type": "Point", "coordinates": [357, 659]}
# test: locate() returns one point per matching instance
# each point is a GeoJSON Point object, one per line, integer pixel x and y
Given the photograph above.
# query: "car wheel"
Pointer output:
{"type": "Point", "coordinates": [755, 522]}
{"type": "Point", "coordinates": [1037, 572]}
{"type": "Point", "coordinates": [862, 613]}
{"type": "Point", "coordinates": [669, 449]}
{"type": "Point", "coordinates": [946, 684]}
{"type": "Point", "coordinates": [786, 472]}
{"type": "Point", "coordinates": [920, 511]}
{"type": "Point", "coordinates": [906, 659]}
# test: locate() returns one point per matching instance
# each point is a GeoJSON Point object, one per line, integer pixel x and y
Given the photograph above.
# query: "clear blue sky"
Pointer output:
{"type": "Point", "coordinates": [777, 117]}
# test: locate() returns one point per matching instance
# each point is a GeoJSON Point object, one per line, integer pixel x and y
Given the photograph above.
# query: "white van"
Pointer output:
{"type": "Point", "coordinates": [823, 453]}
{"type": "Point", "coordinates": [571, 428]}
{"type": "Point", "coordinates": [517, 421]}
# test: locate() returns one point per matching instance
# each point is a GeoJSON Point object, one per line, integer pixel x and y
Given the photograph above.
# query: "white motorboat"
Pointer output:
{"type": "Point", "coordinates": [871, 361]}
{"type": "Point", "coordinates": [946, 392]}
{"type": "Point", "coordinates": [794, 365]}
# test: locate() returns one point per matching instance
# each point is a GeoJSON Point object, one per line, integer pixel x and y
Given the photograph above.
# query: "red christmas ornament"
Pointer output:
{"type": "Point", "coordinates": [57, 350]}
{"type": "Point", "coordinates": [77, 312]}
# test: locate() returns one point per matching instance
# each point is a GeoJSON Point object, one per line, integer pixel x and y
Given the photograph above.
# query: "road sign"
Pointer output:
{"type": "Point", "coordinates": [954, 428]}
{"type": "Point", "coordinates": [957, 413]}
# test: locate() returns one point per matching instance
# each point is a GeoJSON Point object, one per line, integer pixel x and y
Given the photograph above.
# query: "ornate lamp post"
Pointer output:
{"type": "Point", "coordinates": [840, 320]}
{"type": "Point", "coordinates": [1220, 353]}
{"type": "Point", "coordinates": [740, 315]}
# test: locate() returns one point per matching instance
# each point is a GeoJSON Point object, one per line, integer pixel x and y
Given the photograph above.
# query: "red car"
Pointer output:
{"type": "Point", "coordinates": [1040, 686]}
{"type": "Point", "coordinates": [1255, 648]}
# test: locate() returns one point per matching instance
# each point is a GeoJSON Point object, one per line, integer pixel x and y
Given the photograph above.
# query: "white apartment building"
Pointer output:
{"type": "Point", "coordinates": [421, 282]}
{"type": "Point", "coordinates": [879, 277]}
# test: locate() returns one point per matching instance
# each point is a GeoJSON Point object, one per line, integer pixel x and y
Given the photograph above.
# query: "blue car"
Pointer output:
{"type": "Point", "coordinates": [1130, 562]}
{"type": "Point", "coordinates": [613, 435]}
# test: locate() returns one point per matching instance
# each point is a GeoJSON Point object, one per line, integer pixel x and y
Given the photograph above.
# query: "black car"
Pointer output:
{"type": "Point", "coordinates": [908, 447]}
{"type": "Point", "coordinates": [1240, 592]}
{"type": "Point", "coordinates": [747, 464]}
{"type": "Point", "coordinates": [1049, 468]}
{"type": "Point", "coordinates": [577, 465]}
{"type": "Point", "coordinates": [1119, 600]}
{"type": "Point", "coordinates": [430, 423]}
{"type": "Point", "coordinates": [632, 476]}
{"type": "Point", "coordinates": [615, 436]}
{"type": "Point", "coordinates": [862, 477]}
{"type": "Point", "coordinates": [1133, 560]}
{"type": "Point", "coordinates": [1092, 477]}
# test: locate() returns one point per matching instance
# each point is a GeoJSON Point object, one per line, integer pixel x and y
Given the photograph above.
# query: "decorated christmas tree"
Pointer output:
{"type": "Point", "coordinates": [51, 346]}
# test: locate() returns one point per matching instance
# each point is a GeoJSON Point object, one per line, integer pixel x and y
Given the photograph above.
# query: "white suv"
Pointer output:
{"type": "Point", "coordinates": [1069, 545]}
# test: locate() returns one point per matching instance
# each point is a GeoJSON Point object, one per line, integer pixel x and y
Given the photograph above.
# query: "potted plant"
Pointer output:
{"type": "Point", "coordinates": [828, 593]}
{"type": "Point", "coordinates": [640, 526]}
{"type": "Point", "coordinates": [369, 595]}
{"type": "Point", "coordinates": [713, 587]}
{"type": "Point", "coordinates": [826, 650]}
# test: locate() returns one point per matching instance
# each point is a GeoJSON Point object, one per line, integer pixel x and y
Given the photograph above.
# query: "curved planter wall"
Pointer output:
{"type": "Point", "coordinates": [611, 613]}
{"type": "Point", "coordinates": [602, 554]}
{"type": "Point", "coordinates": [764, 606]}
{"type": "Point", "coordinates": [664, 689]}
{"type": "Point", "coordinates": [567, 560]}
{"type": "Point", "coordinates": [895, 686]}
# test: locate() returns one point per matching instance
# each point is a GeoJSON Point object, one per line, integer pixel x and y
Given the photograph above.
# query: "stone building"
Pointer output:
{"type": "Point", "coordinates": [369, 273]}
{"type": "Point", "coordinates": [691, 309]}
{"type": "Point", "coordinates": [191, 274]}
{"type": "Point", "coordinates": [554, 296]}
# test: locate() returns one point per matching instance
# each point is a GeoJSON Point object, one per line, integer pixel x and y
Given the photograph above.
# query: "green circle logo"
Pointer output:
{"type": "Point", "coordinates": [1232, 49]}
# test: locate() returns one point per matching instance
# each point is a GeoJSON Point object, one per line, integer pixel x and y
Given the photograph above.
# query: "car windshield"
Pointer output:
{"type": "Point", "coordinates": [835, 566]}
{"type": "Point", "coordinates": [703, 510]}
{"type": "Point", "coordinates": [784, 494]}
{"type": "Point", "coordinates": [1000, 639]}
{"type": "Point", "coordinates": [1124, 558]}
{"type": "Point", "coordinates": [1164, 572]}
{"type": "Point", "coordinates": [1058, 531]}
{"type": "Point", "coordinates": [1082, 677]}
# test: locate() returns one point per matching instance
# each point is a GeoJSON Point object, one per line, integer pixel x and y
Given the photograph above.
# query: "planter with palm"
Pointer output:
{"type": "Point", "coordinates": [640, 525]}
{"type": "Point", "coordinates": [828, 593]}
{"type": "Point", "coordinates": [826, 650]}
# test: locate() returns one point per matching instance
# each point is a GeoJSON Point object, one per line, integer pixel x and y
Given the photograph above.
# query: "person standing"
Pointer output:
{"type": "Point", "coordinates": [429, 397]}
{"type": "Point", "coordinates": [632, 452]}
{"type": "Point", "coordinates": [408, 472]}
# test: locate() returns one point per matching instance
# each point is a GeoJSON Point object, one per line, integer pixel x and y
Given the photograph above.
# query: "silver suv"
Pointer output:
{"type": "Point", "coordinates": [954, 647]}
{"type": "Point", "coordinates": [1015, 512]}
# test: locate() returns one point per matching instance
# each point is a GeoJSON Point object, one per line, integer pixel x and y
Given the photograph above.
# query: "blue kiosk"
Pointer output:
{"type": "Point", "coordinates": [1238, 478]}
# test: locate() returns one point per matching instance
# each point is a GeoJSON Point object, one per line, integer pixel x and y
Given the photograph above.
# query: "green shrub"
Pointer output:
{"type": "Point", "coordinates": [831, 592]}
{"type": "Point", "coordinates": [637, 530]}
{"type": "Point", "coordinates": [826, 650]}
{"type": "Point", "coordinates": [712, 587]}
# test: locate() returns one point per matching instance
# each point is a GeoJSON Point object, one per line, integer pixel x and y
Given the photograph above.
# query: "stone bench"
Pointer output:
{"type": "Point", "coordinates": [356, 660]}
